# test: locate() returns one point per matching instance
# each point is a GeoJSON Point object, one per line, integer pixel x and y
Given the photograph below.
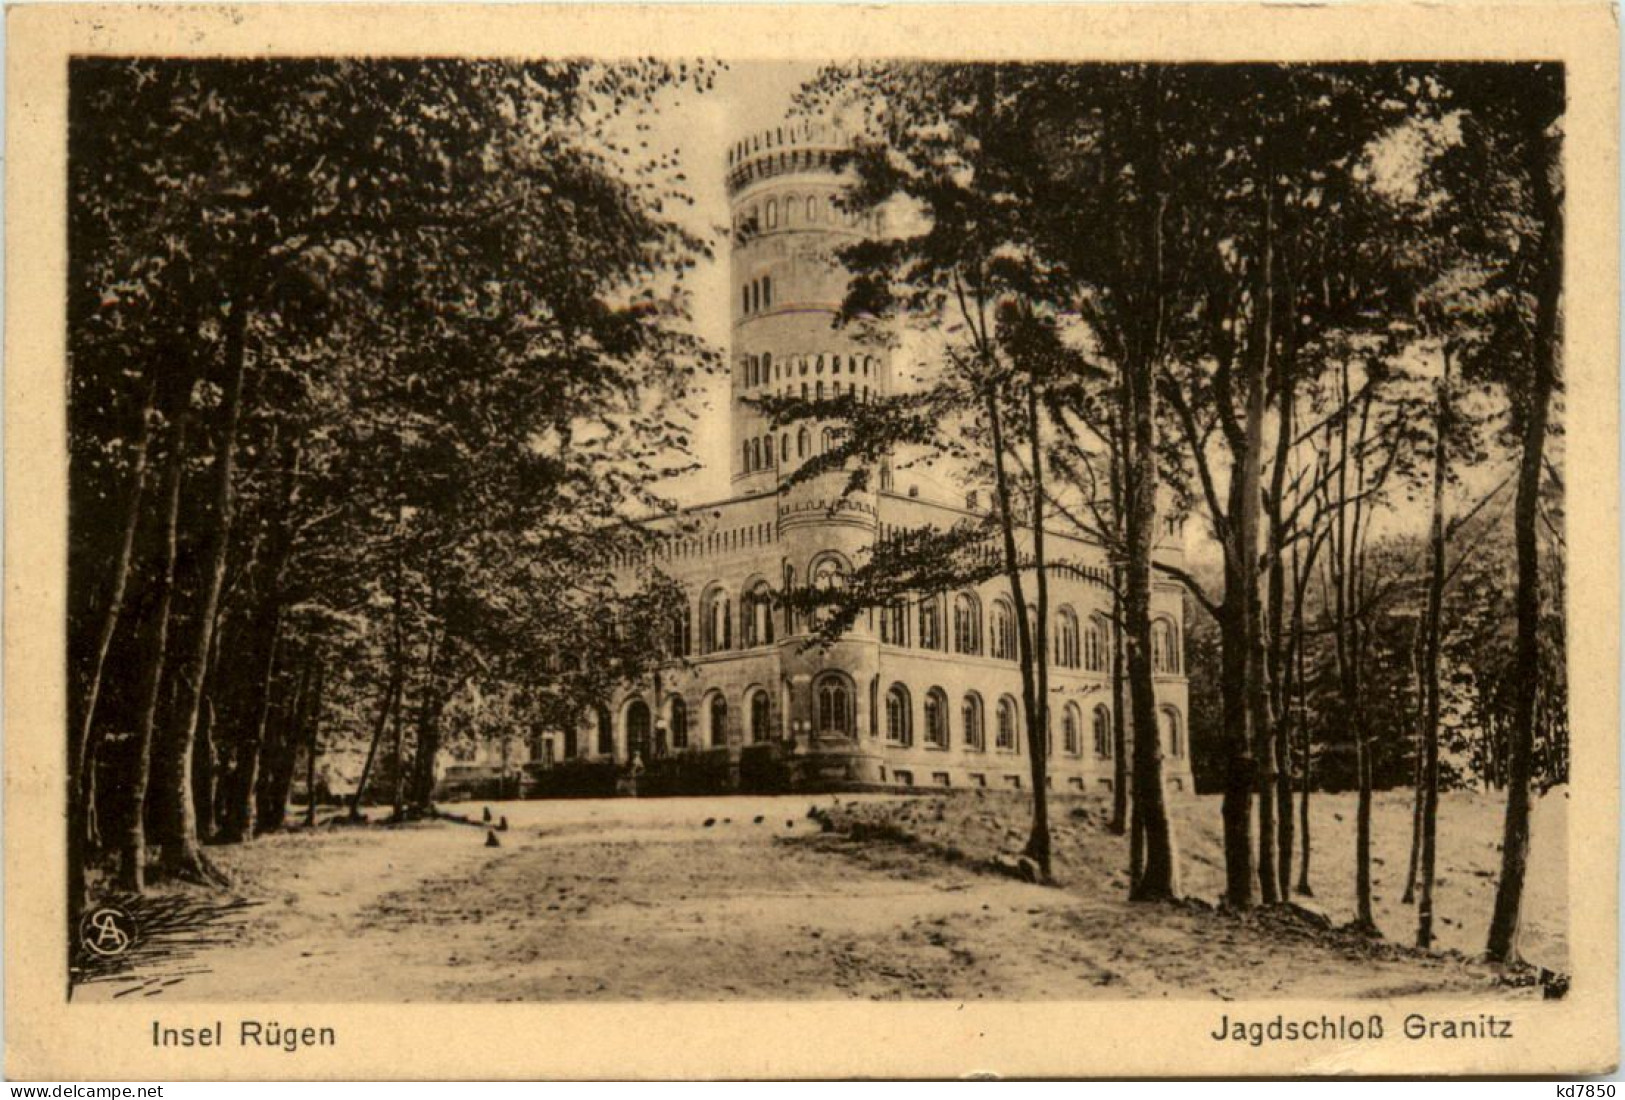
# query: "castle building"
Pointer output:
{"type": "Point", "coordinates": [923, 693]}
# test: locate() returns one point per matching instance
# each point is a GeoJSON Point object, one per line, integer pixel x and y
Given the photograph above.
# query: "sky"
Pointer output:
{"type": "Point", "coordinates": [749, 96]}
{"type": "Point", "coordinates": [699, 128]}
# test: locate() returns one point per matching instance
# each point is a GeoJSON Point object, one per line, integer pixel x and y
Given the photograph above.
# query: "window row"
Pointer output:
{"type": "Point", "coordinates": [1076, 643]}
{"type": "Point", "coordinates": [756, 295]}
{"type": "Point", "coordinates": [834, 714]}
{"type": "Point", "coordinates": [758, 370]}
{"type": "Point", "coordinates": [794, 210]}
{"type": "Point", "coordinates": [1007, 725]}
{"type": "Point", "coordinates": [757, 454]}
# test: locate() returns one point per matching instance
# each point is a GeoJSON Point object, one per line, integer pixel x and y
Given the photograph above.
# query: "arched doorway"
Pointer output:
{"type": "Point", "coordinates": [637, 729]}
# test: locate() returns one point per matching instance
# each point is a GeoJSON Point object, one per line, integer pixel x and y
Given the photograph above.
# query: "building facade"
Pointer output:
{"type": "Point", "coordinates": [922, 693]}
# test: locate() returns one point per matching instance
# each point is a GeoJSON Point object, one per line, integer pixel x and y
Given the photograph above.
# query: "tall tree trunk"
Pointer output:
{"type": "Point", "coordinates": [1038, 844]}
{"type": "Point", "coordinates": [239, 816]}
{"type": "Point", "coordinates": [421, 794]}
{"type": "Point", "coordinates": [179, 837]}
{"type": "Point", "coordinates": [391, 699]}
{"type": "Point", "coordinates": [313, 746]}
{"type": "Point", "coordinates": [1430, 666]}
{"type": "Point", "coordinates": [1277, 669]}
{"type": "Point", "coordinates": [133, 868]}
{"type": "Point", "coordinates": [1543, 161]}
{"type": "Point", "coordinates": [1119, 733]}
{"type": "Point", "coordinates": [1419, 765]}
{"type": "Point", "coordinates": [271, 796]}
{"type": "Point", "coordinates": [1159, 876]}
{"type": "Point", "coordinates": [1024, 633]}
{"type": "Point", "coordinates": [1261, 355]}
{"type": "Point", "coordinates": [1294, 657]}
{"type": "Point", "coordinates": [82, 763]}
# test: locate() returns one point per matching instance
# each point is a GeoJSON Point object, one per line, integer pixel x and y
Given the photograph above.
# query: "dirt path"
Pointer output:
{"type": "Point", "coordinates": [628, 900]}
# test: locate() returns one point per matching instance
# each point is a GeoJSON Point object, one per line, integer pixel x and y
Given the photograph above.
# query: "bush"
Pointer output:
{"type": "Point", "coordinates": [575, 779]}
{"type": "Point", "coordinates": [764, 769]}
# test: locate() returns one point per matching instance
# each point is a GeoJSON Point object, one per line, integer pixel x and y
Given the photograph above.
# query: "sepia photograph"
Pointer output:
{"type": "Point", "coordinates": [689, 528]}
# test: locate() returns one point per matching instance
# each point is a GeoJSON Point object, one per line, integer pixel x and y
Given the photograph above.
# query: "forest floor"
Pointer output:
{"type": "Point", "coordinates": [749, 898]}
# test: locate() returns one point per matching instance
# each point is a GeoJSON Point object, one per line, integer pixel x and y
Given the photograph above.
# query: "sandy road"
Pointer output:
{"type": "Point", "coordinates": [641, 900]}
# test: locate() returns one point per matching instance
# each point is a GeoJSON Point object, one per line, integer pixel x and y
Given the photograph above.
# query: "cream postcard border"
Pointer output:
{"type": "Point", "coordinates": [46, 1037]}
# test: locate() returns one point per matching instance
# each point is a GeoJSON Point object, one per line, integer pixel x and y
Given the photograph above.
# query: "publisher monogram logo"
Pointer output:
{"type": "Point", "coordinates": [107, 930]}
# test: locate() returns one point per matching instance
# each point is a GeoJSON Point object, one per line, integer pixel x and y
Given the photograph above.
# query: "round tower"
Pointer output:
{"type": "Point", "coordinates": [787, 285]}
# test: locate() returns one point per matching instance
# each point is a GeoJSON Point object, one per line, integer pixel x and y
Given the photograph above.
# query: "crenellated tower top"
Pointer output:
{"type": "Point", "coordinates": [788, 284]}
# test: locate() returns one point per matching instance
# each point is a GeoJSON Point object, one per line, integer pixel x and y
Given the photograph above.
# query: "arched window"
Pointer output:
{"type": "Point", "coordinates": [637, 729]}
{"type": "Point", "coordinates": [1066, 638]}
{"type": "Point", "coordinates": [767, 451]}
{"type": "Point", "coordinates": [760, 730]}
{"type": "Point", "coordinates": [772, 214]}
{"type": "Point", "coordinates": [791, 210]}
{"type": "Point", "coordinates": [717, 717]}
{"type": "Point", "coordinates": [967, 624]}
{"type": "Point", "coordinates": [1094, 644]}
{"type": "Point", "coordinates": [1071, 733]}
{"type": "Point", "coordinates": [606, 732]}
{"type": "Point", "coordinates": [894, 623]}
{"type": "Point", "coordinates": [936, 718]}
{"type": "Point", "coordinates": [716, 625]}
{"type": "Point", "coordinates": [899, 721]}
{"type": "Point", "coordinates": [970, 715]}
{"type": "Point", "coordinates": [1005, 736]}
{"type": "Point", "coordinates": [784, 447]}
{"type": "Point", "coordinates": [1004, 631]}
{"type": "Point", "coordinates": [832, 697]}
{"type": "Point", "coordinates": [826, 440]}
{"type": "Point", "coordinates": [744, 298]}
{"type": "Point", "coordinates": [756, 616]}
{"type": "Point", "coordinates": [682, 631]}
{"type": "Point", "coordinates": [767, 367]}
{"type": "Point", "coordinates": [812, 208]}
{"type": "Point", "coordinates": [767, 292]}
{"type": "Point", "coordinates": [755, 295]}
{"type": "Point", "coordinates": [1103, 733]}
{"type": "Point", "coordinates": [931, 623]}
{"type": "Point", "coordinates": [1173, 742]}
{"type": "Point", "coordinates": [679, 723]}
{"type": "Point", "coordinates": [755, 454]}
{"type": "Point", "coordinates": [803, 442]}
{"type": "Point", "coordinates": [820, 389]}
{"type": "Point", "coordinates": [1164, 646]}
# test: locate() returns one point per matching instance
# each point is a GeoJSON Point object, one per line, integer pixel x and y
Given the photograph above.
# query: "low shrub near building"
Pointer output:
{"type": "Point", "coordinates": [575, 779]}
{"type": "Point", "coordinates": [764, 769]}
{"type": "Point", "coordinates": [686, 773]}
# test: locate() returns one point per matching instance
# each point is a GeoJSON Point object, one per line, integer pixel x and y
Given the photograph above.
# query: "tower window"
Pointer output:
{"type": "Point", "coordinates": [812, 208]}
{"type": "Point", "coordinates": [767, 292]}
{"type": "Point", "coordinates": [772, 214]}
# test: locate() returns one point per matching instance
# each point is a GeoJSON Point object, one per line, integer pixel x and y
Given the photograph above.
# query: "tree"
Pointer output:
{"type": "Point", "coordinates": [1504, 174]}
{"type": "Point", "coordinates": [280, 244]}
